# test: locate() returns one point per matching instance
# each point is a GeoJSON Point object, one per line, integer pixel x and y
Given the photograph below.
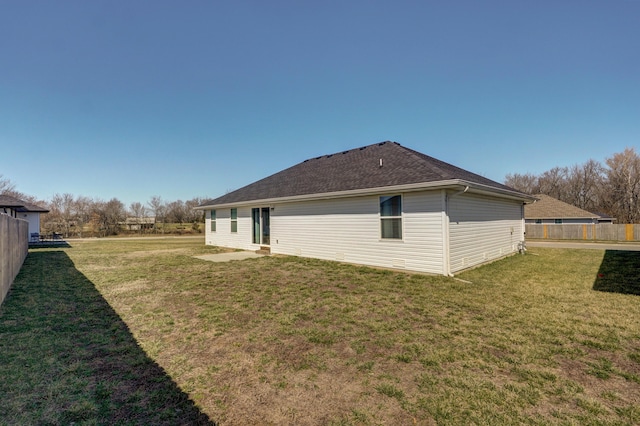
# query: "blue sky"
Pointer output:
{"type": "Point", "coordinates": [131, 99]}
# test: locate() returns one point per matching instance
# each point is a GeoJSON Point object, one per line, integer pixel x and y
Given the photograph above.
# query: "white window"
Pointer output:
{"type": "Point", "coordinates": [391, 217]}
{"type": "Point", "coordinates": [213, 221]}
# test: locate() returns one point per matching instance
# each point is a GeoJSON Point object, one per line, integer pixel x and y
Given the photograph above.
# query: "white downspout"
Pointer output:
{"type": "Point", "coordinates": [446, 263]}
{"type": "Point", "coordinates": [447, 243]}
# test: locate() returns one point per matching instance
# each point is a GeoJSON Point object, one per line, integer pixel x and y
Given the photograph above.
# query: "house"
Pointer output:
{"type": "Point", "coordinates": [139, 223]}
{"type": "Point", "coordinates": [549, 210]}
{"type": "Point", "coordinates": [21, 209]}
{"type": "Point", "coordinates": [381, 205]}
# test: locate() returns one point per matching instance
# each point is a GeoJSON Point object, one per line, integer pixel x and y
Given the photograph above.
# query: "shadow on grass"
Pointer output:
{"type": "Point", "coordinates": [49, 244]}
{"type": "Point", "coordinates": [619, 272]}
{"type": "Point", "coordinates": [66, 356]}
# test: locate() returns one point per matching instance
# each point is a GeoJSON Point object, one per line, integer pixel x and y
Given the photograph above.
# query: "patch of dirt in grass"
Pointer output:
{"type": "Point", "coordinates": [130, 286]}
{"type": "Point", "coordinates": [101, 268]}
{"type": "Point", "coordinates": [590, 384]}
{"type": "Point", "coordinates": [146, 253]}
{"type": "Point", "coordinates": [282, 393]}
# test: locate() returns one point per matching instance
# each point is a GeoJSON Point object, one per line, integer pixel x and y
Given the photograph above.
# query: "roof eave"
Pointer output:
{"type": "Point", "coordinates": [562, 217]}
{"type": "Point", "coordinates": [500, 192]}
{"type": "Point", "coordinates": [412, 187]}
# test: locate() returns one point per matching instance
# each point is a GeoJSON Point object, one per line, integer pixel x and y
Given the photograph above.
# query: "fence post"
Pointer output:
{"type": "Point", "coordinates": [628, 232]}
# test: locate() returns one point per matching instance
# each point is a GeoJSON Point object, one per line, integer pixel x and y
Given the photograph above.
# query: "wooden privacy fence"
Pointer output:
{"type": "Point", "coordinates": [602, 232]}
{"type": "Point", "coordinates": [14, 246]}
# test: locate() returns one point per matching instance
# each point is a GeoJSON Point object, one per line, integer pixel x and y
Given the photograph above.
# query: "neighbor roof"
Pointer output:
{"type": "Point", "coordinates": [548, 207]}
{"type": "Point", "coordinates": [385, 164]}
{"type": "Point", "coordinates": [20, 205]}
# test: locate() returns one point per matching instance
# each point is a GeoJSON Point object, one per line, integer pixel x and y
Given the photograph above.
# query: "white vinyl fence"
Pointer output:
{"type": "Point", "coordinates": [14, 246]}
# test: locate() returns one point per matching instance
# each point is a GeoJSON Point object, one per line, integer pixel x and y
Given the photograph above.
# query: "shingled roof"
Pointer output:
{"type": "Point", "coordinates": [548, 207]}
{"type": "Point", "coordinates": [20, 205]}
{"type": "Point", "coordinates": [385, 164]}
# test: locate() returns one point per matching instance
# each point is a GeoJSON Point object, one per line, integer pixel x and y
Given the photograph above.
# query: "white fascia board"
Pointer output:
{"type": "Point", "coordinates": [498, 192]}
{"type": "Point", "coordinates": [443, 184]}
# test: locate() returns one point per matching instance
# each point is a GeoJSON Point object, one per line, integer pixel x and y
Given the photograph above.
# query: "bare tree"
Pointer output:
{"type": "Point", "coordinates": [138, 211]}
{"type": "Point", "coordinates": [61, 214]}
{"type": "Point", "coordinates": [193, 215]}
{"type": "Point", "coordinates": [623, 186]}
{"type": "Point", "coordinates": [7, 187]}
{"type": "Point", "coordinates": [158, 208]}
{"type": "Point", "coordinates": [554, 183]}
{"type": "Point", "coordinates": [583, 185]}
{"type": "Point", "coordinates": [83, 208]}
{"type": "Point", "coordinates": [527, 183]}
{"type": "Point", "coordinates": [107, 216]}
{"type": "Point", "coordinates": [67, 213]}
{"type": "Point", "coordinates": [177, 212]}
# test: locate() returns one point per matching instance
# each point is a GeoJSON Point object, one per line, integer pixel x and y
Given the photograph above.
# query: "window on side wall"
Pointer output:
{"type": "Point", "coordinates": [391, 217]}
{"type": "Point", "coordinates": [234, 220]}
{"type": "Point", "coordinates": [558, 221]}
{"type": "Point", "coordinates": [213, 221]}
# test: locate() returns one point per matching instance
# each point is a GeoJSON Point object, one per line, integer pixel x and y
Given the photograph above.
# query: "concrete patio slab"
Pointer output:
{"type": "Point", "coordinates": [226, 257]}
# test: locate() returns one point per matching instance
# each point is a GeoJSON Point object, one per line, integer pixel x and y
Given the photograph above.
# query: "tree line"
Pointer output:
{"type": "Point", "coordinates": [73, 216]}
{"type": "Point", "coordinates": [80, 216]}
{"type": "Point", "coordinates": [610, 188]}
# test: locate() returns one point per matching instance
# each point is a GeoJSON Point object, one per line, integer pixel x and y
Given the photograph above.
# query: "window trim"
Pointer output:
{"type": "Point", "coordinates": [212, 219]}
{"type": "Point", "coordinates": [384, 217]}
{"type": "Point", "coordinates": [234, 220]}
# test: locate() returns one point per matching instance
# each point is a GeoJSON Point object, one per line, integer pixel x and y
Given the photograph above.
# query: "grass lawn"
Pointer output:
{"type": "Point", "coordinates": [140, 332]}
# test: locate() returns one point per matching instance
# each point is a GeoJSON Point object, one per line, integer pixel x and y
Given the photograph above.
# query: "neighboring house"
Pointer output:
{"type": "Point", "coordinates": [604, 218]}
{"type": "Point", "coordinates": [380, 205]}
{"type": "Point", "coordinates": [548, 210]}
{"type": "Point", "coordinates": [21, 209]}
{"type": "Point", "coordinates": [139, 223]}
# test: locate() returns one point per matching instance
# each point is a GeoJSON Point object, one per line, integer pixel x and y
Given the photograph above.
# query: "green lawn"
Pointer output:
{"type": "Point", "coordinates": [140, 332]}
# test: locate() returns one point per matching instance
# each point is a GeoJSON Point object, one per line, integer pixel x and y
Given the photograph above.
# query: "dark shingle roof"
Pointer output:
{"type": "Point", "coordinates": [353, 170]}
{"type": "Point", "coordinates": [20, 205]}
{"type": "Point", "coordinates": [551, 208]}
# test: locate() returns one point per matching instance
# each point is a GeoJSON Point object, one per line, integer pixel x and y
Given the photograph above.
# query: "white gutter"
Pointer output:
{"type": "Point", "coordinates": [466, 188]}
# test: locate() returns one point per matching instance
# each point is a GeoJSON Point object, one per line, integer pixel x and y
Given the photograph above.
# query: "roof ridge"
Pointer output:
{"type": "Point", "coordinates": [433, 160]}
{"type": "Point", "coordinates": [549, 203]}
{"type": "Point", "coordinates": [350, 150]}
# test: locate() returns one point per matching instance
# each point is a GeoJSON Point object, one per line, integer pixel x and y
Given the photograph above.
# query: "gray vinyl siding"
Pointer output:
{"type": "Point", "coordinates": [482, 229]}
{"type": "Point", "coordinates": [348, 230]}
